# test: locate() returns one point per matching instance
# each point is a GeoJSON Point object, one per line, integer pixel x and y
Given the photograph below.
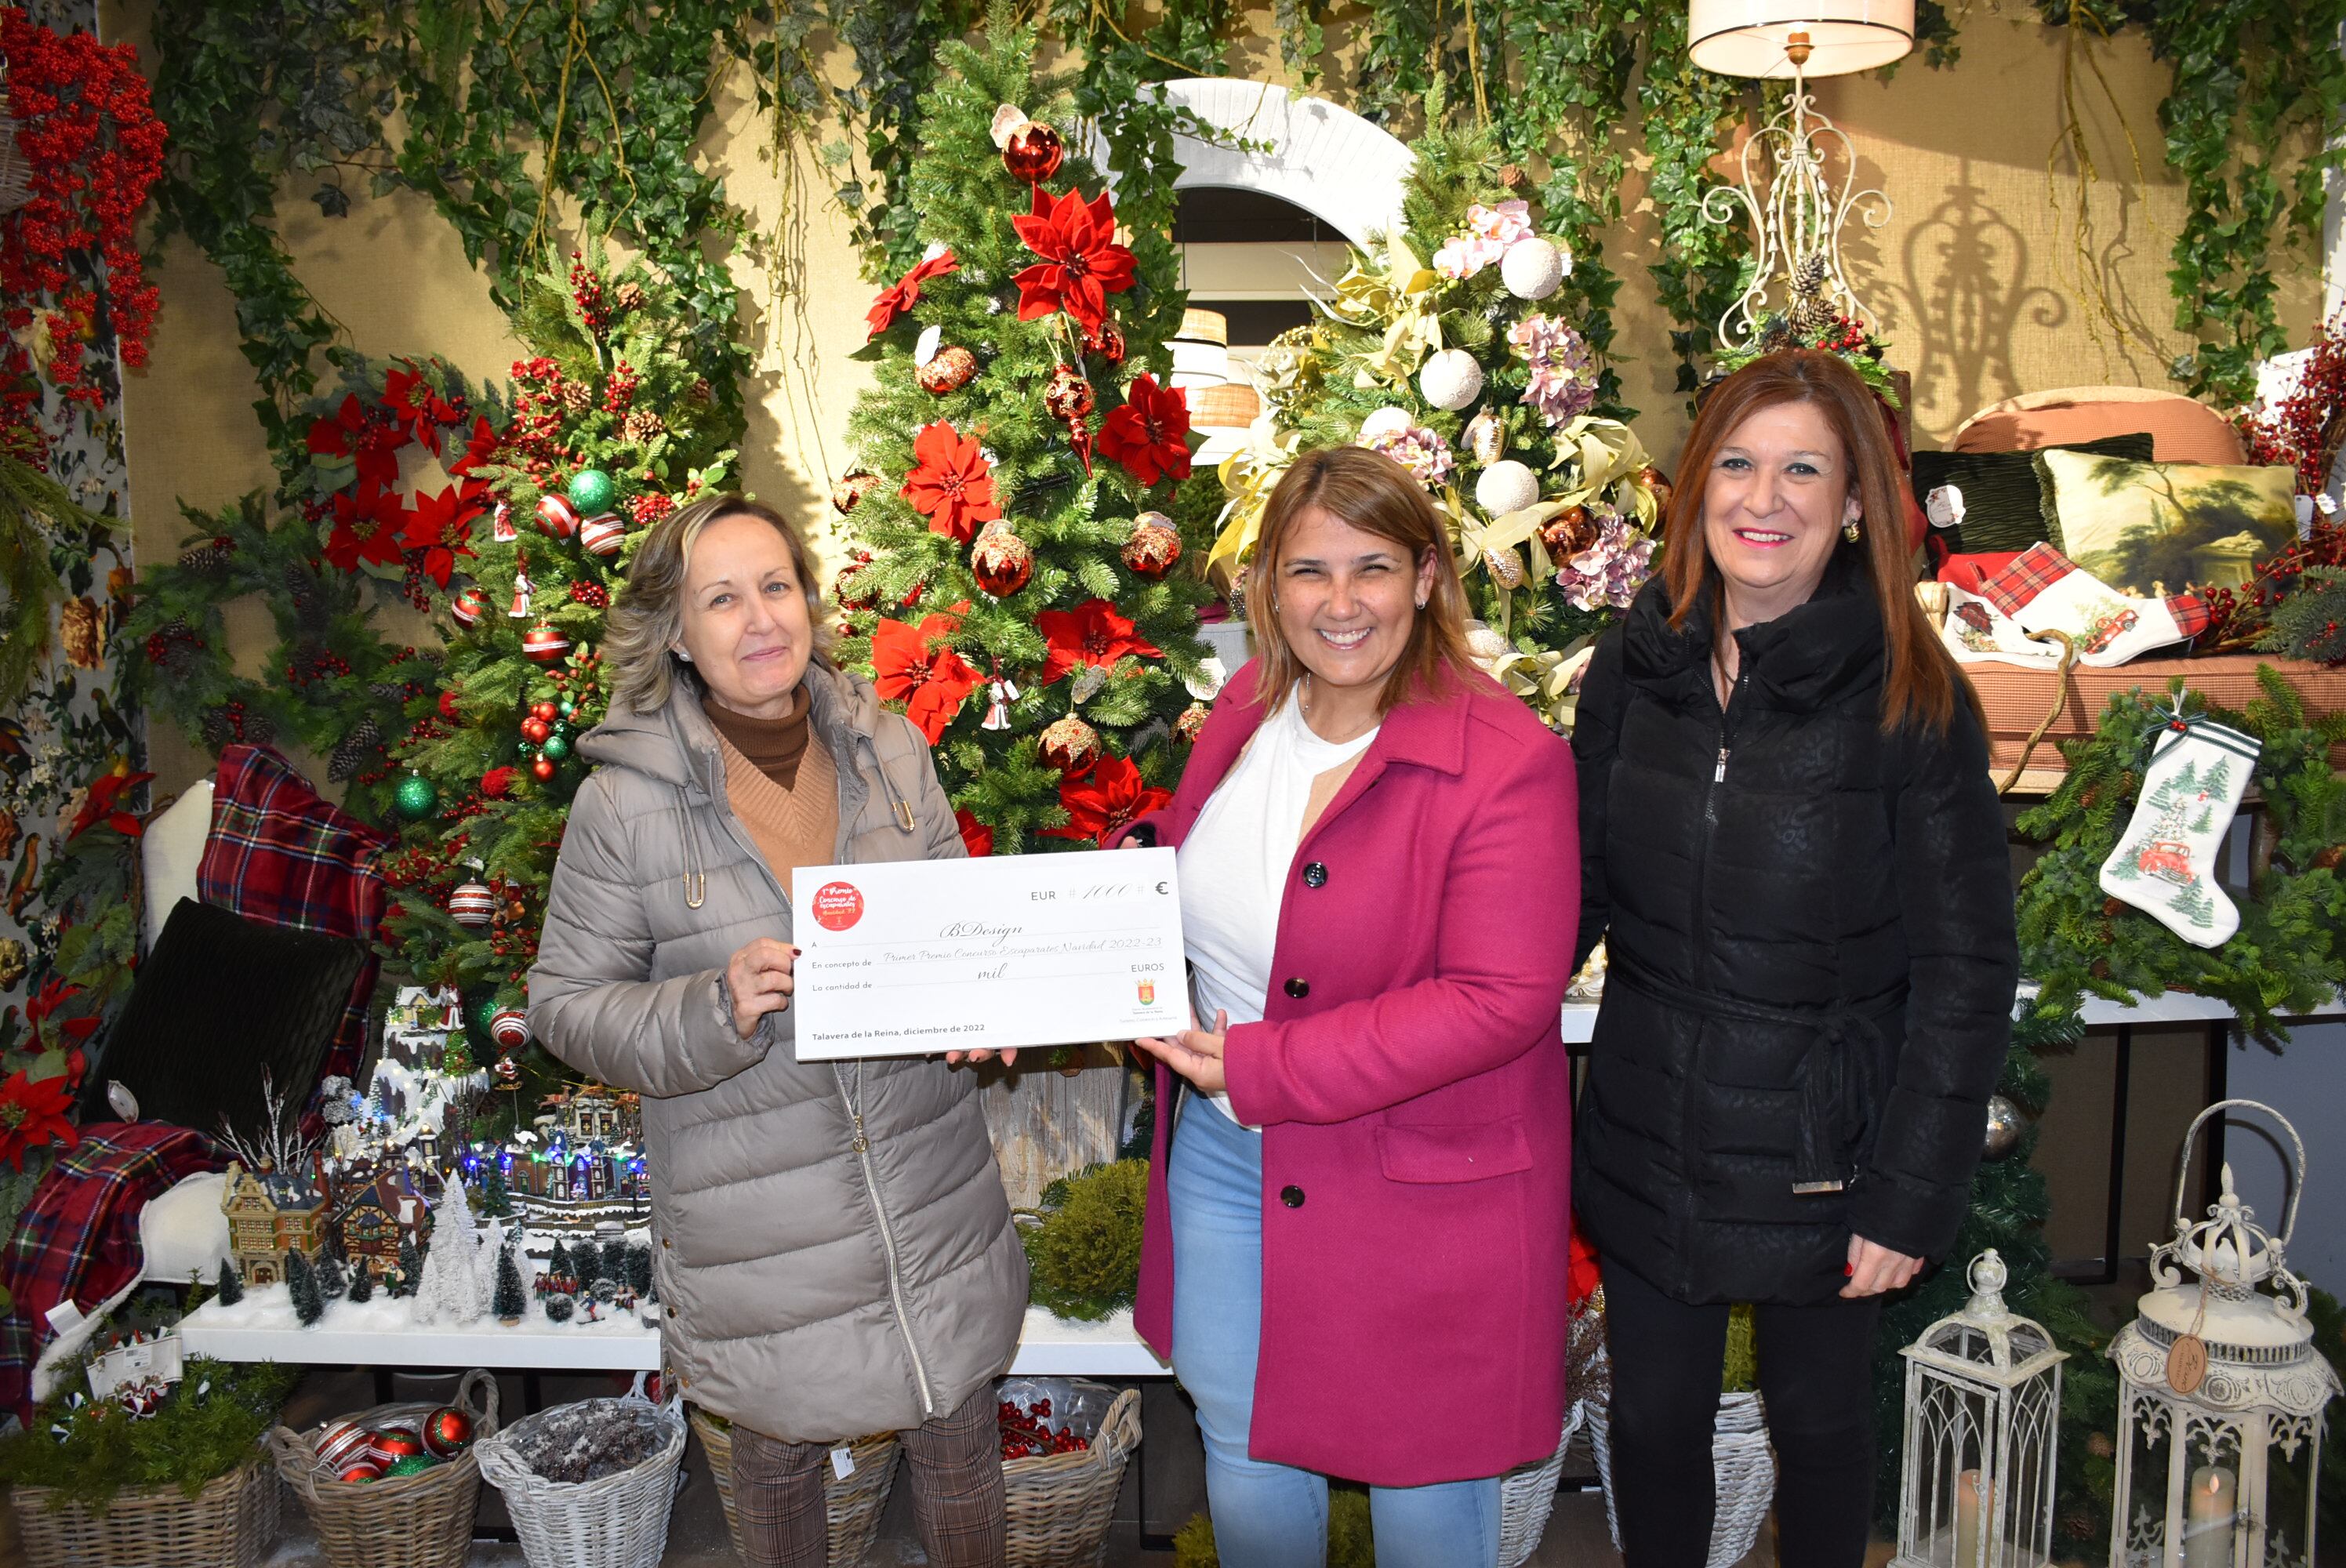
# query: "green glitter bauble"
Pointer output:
{"type": "Point", "coordinates": [418, 798]}
{"type": "Point", "coordinates": [557, 747]}
{"type": "Point", "coordinates": [591, 491]}
{"type": "Point", "coordinates": [413, 1464]}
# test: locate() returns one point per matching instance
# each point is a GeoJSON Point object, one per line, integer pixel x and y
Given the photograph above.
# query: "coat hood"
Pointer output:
{"type": "Point", "coordinates": [678, 745]}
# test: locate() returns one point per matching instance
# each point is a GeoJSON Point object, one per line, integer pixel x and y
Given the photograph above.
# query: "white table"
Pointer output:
{"type": "Point", "coordinates": [262, 1328]}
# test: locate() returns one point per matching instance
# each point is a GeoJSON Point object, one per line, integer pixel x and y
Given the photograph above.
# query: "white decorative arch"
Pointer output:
{"type": "Point", "coordinates": [1321, 157]}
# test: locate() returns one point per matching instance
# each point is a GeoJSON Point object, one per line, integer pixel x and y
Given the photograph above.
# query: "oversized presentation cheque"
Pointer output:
{"type": "Point", "coordinates": [903, 958]}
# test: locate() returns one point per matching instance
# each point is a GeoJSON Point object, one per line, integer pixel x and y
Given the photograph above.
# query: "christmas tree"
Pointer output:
{"type": "Point", "coordinates": [561, 1269]}
{"type": "Point", "coordinates": [454, 1285]}
{"type": "Point", "coordinates": [640, 1270]}
{"type": "Point", "coordinates": [301, 1283]}
{"type": "Point", "coordinates": [559, 1307]}
{"type": "Point", "coordinates": [232, 1284]}
{"type": "Point", "coordinates": [1022, 504]}
{"type": "Point", "coordinates": [411, 1266]}
{"type": "Point", "coordinates": [495, 1201]}
{"type": "Point", "coordinates": [1435, 349]}
{"type": "Point", "coordinates": [362, 1286]}
{"type": "Point", "coordinates": [333, 1284]}
{"type": "Point", "coordinates": [509, 1301]}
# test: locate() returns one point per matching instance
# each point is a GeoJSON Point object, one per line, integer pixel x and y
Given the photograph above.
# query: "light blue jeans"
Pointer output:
{"type": "Point", "coordinates": [1274, 1515]}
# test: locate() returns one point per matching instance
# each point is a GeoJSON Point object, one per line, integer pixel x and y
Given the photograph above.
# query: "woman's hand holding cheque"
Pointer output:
{"type": "Point", "coordinates": [1195, 1053]}
{"type": "Point", "coordinates": [758, 978]}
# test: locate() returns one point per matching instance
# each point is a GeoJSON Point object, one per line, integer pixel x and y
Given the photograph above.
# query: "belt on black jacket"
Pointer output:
{"type": "Point", "coordinates": [1837, 1079]}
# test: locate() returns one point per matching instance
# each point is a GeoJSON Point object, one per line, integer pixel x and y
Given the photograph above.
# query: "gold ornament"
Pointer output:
{"type": "Point", "coordinates": [1070, 745]}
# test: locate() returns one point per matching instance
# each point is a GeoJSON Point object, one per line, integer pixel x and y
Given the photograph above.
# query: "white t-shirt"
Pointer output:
{"type": "Point", "coordinates": [1235, 861]}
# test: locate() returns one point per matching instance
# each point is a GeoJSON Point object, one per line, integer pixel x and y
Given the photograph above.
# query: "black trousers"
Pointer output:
{"type": "Point", "coordinates": [1816, 1378]}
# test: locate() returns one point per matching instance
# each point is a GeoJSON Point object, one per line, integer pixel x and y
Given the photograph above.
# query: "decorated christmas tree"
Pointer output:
{"type": "Point", "coordinates": [1437, 349]}
{"type": "Point", "coordinates": [1025, 590]}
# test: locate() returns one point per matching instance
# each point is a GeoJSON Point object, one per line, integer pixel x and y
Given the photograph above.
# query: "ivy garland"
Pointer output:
{"type": "Point", "coordinates": [2077, 941]}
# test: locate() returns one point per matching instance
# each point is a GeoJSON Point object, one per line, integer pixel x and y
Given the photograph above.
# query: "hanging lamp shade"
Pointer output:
{"type": "Point", "coordinates": [1829, 37]}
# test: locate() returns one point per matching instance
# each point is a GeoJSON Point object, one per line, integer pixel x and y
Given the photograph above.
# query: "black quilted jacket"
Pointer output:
{"type": "Point", "coordinates": [1811, 954]}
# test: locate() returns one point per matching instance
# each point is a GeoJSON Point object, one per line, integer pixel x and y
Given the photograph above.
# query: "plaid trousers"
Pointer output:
{"type": "Point", "coordinates": [956, 1470]}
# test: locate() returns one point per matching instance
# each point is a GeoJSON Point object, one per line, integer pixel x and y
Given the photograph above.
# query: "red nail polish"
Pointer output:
{"type": "Point", "coordinates": [1849, 1270]}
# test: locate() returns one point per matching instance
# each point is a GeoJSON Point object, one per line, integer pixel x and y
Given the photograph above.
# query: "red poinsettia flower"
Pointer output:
{"type": "Point", "coordinates": [1148, 433]}
{"type": "Point", "coordinates": [905, 292]}
{"type": "Point", "coordinates": [1082, 263]}
{"type": "Point", "coordinates": [479, 447]}
{"type": "Point", "coordinates": [414, 403]}
{"type": "Point", "coordinates": [1110, 797]}
{"type": "Point", "coordinates": [441, 526]}
{"type": "Point", "coordinates": [100, 803]}
{"type": "Point", "coordinates": [375, 529]}
{"type": "Point", "coordinates": [915, 666]}
{"type": "Point", "coordinates": [1583, 1272]}
{"type": "Point", "coordinates": [1091, 633]}
{"type": "Point", "coordinates": [976, 836]}
{"type": "Point", "coordinates": [33, 1116]}
{"type": "Point", "coordinates": [951, 484]}
{"type": "Point", "coordinates": [373, 443]}
{"type": "Point", "coordinates": [52, 995]}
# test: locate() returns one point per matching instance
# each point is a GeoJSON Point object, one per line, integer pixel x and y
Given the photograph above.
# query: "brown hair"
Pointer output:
{"type": "Point", "coordinates": [648, 613]}
{"type": "Point", "coordinates": [1920, 682]}
{"type": "Point", "coordinates": [1373, 494]}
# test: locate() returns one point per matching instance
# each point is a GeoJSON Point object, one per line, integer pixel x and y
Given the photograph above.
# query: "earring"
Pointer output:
{"type": "Point", "coordinates": [684, 656]}
{"type": "Point", "coordinates": [1421, 604]}
{"type": "Point", "coordinates": [1848, 530]}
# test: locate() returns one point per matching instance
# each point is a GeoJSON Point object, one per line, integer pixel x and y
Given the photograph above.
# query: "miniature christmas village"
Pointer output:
{"type": "Point", "coordinates": [389, 1197]}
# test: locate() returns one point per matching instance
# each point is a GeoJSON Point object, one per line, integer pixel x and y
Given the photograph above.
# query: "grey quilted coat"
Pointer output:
{"type": "Point", "coordinates": [824, 1276]}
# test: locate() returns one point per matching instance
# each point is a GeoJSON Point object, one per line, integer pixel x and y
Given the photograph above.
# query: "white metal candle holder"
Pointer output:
{"type": "Point", "coordinates": [2222, 1394]}
{"type": "Point", "coordinates": [1983, 1413]}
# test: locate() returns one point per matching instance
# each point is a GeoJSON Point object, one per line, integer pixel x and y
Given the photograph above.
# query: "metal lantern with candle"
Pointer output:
{"type": "Point", "coordinates": [1983, 1409]}
{"type": "Point", "coordinates": [2220, 1394]}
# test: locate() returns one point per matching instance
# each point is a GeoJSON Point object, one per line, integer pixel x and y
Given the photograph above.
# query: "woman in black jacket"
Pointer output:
{"type": "Point", "coordinates": [1788, 834]}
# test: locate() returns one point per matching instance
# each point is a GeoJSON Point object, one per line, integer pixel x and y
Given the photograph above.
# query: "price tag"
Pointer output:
{"type": "Point", "coordinates": [842, 1462]}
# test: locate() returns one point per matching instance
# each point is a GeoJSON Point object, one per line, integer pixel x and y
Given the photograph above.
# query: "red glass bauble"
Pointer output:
{"type": "Point", "coordinates": [1154, 546]}
{"type": "Point", "coordinates": [1033, 152]}
{"type": "Point", "coordinates": [1067, 395]}
{"type": "Point", "coordinates": [1070, 745]}
{"type": "Point", "coordinates": [536, 730]}
{"type": "Point", "coordinates": [446, 1431]}
{"type": "Point", "coordinates": [545, 710]}
{"type": "Point", "coordinates": [1001, 562]}
{"type": "Point", "coordinates": [1107, 341]}
{"type": "Point", "coordinates": [848, 491]}
{"type": "Point", "coordinates": [542, 770]}
{"type": "Point", "coordinates": [948, 369]}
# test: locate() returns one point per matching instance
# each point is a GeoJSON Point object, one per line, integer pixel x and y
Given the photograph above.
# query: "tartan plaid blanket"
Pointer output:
{"type": "Point", "coordinates": [78, 1239]}
{"type": "Point", "coordinates": [278, 853]}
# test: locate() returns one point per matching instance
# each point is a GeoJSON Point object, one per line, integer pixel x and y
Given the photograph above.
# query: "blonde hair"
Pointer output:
{"type": "Point", "coordinates": [646, 617]}
{"type": "Point", "coordinates": [1370, 492]}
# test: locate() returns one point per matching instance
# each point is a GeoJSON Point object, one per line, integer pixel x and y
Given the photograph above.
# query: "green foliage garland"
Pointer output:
{"type": "Point", "coordinates": [1084, 1252]}
{"type": "Point", "coordinates": [211, 1422]}
{"type": "Point", "coordinates": [2285, 958]}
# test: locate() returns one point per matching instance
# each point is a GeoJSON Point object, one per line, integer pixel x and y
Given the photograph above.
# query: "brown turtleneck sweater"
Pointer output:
{"type": "Point", "coordinates": [781, 781]}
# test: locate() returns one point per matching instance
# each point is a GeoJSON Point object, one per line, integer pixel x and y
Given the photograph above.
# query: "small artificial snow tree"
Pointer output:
{"type": "Point", "coordinates": [453, 1287]}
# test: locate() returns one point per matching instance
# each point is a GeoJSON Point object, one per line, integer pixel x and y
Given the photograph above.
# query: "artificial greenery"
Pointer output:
{"type": "Point", "coordinates": [2309, 621]}
{"type": "Point", "coordinates": [2076, 941]}
{"type": "Point", "coordinates": [1351, 1540]}
{"type": "Point", "coordinates": [1084, 1255]}
{"type": "Point", "coordinates": [211, 1422]}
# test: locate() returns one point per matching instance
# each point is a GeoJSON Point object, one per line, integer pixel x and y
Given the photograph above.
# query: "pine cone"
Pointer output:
{"type": "Point", "coordinates": [309, 603]}
{"type": "Point", "coordinates": [628, 296]}
{"type": "Point", "coordinates": [643, 427]}
{"type": "Point", "coordinates": [578, 396]}
{"type": "Point", "coordinates": [208, 560]}
{"type": "Point", "coordinates": [1810, 313]}
{"type": "Point", "coordinates": [352, 752]}
{"type": "Point", "coordinates": [388, 690]}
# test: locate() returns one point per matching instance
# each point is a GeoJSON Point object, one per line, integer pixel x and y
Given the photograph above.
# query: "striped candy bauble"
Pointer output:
{"type": "Point", "coordinates": [342, 1443]}
{"type": "Point", "coordinates": [470, 606]}
{"type": "Point", "coordinates": [544, 643]}
{"type": "Point", "coordinates": [557, 518]}
{"type": "Point", "coordinates": [472, 904]}
{"type": "Point", "coordinates": [510, 1029]}
{"type": "Point", "coordinates": [602, 536]}
{"type": "Point", "coordinates": [392, 1444]}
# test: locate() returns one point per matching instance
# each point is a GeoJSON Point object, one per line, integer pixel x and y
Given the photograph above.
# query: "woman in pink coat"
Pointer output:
{"type": "Point", "coordinates": [1355, 1251]}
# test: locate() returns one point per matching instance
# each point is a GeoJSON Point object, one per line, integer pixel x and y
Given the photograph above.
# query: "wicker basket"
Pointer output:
{"type": "Point", "coordinates": [620, 1520]}
{"type": "Point", "coordinates": [421, 1521]}
{"type": "Point", "coordinates": [851, 1508]}
{"type": "Point", "coordinates": [1527, 1496]}
{"type": "Point", "coordinates": [230, 1523]}
{"type": "Point", "coordinates": [1061, 1506]}
{"type": "Point", "coordinates": [1740, 1459]}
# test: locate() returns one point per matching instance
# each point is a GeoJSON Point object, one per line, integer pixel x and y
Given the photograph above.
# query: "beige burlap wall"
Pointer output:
{"type": "Point", "coordinates": [1976, 279]}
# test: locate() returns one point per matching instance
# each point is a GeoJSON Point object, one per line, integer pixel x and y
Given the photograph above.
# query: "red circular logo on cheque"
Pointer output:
{"type": "Point", "coordinates": [837, 906]}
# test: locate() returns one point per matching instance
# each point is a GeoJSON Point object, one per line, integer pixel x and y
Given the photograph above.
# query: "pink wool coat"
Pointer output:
{"type": "Point", "coordinates": [1415, 1099]}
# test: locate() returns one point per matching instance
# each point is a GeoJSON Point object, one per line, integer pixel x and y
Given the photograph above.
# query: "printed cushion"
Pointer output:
{"type": "Point", "coordinates": [2154, 528]}
{"type": "Point", "coordinates": [2005, 503]}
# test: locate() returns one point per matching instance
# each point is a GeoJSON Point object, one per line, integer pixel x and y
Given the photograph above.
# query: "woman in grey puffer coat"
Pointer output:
{"type": "Point", "coordinates": [832, 1242]}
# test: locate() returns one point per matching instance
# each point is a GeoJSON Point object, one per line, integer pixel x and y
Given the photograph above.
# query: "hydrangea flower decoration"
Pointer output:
{"type": "Point", "coordinates": [1489, 231]}
{"type": "Point", "coordinates": [1564, 376]}
{"type": "Point", "coordinates": [1424, 453]}
{"type": "Point", "coordinates": [1607, 572]}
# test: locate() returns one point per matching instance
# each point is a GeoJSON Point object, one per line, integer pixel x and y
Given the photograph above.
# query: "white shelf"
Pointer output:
{"type": "Point", "coordinates": [2172, 1007]}
{"type": "Point", "coordinates": [261, 1327]}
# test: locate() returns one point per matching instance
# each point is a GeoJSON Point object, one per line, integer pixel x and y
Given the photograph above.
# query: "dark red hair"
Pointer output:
{"type": "Point", "coordinates": [1920, 682]}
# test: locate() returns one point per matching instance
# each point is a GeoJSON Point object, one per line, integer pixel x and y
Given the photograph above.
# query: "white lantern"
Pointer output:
{"type": "Point", "coordinates": [2221, 1392]}
{"type": "Point", "coordinates": [1983, 1411]}
{"type": "Point", "coordinates": [1450, 380]}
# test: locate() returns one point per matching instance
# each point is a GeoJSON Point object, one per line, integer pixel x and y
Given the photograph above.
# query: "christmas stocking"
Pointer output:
{"type": "Point", "coordinates": [2165, 861]}
{"type": "Point", "coordinates": [2043, 590]}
